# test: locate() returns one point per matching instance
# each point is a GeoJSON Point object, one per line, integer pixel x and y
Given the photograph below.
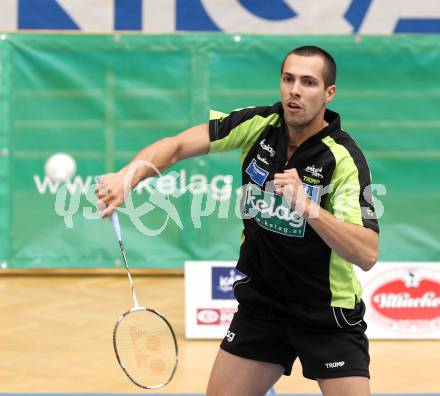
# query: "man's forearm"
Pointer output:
{"type": "Point", "coordinates": [149, 161]}
{"type": "Point", "coordinates": [157, 156]}
{"type": "Point", "coordinates": [354, 243]}
{"type": "Point", "coordinates": [166, 152]}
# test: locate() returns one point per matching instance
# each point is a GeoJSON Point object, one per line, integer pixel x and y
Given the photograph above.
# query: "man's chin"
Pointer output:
{"type": "Point", "coordinates": [296, 122]}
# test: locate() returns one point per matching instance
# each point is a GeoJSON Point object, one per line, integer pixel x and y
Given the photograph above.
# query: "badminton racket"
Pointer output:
{"type": "Point", "coordinates": [144, 341]}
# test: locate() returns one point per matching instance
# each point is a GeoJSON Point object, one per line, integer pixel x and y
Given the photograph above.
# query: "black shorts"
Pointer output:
{"type": "Point", "coordinates": [329, 342]}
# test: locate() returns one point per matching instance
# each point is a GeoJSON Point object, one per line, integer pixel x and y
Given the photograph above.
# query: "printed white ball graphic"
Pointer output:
{"type": "Point", "coordinates": [60, 167]}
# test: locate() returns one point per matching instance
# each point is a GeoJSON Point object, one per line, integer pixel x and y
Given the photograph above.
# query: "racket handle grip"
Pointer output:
{"type": "Point", "coordinates": [114, 218]}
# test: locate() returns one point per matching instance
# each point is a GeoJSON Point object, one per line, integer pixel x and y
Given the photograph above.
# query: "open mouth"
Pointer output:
{"type": "Point", "coordinates": [294, 106]}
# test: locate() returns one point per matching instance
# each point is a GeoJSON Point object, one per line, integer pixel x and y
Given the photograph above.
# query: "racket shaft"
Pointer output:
{"type": "Point", "coordinates": [130, 279]}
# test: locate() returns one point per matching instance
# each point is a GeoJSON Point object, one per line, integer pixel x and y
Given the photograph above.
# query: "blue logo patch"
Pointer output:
{"type": "Point", "coordinates": [222, 280]}
{"type": "Point", "coordinates": [311, 191]}
{"type": "Point", "coordinates": [257, 173]}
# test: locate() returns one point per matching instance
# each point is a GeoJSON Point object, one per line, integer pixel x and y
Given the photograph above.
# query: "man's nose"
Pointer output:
{"type": "Point", "coordinates": [295, 89]}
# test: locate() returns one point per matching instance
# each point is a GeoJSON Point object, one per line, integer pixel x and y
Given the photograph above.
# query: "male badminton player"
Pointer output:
{"type": "Point", "coordinates": [308, 220]}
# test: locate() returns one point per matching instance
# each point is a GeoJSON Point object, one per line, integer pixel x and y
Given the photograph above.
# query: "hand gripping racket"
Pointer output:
{"type": "Point", "coordinates": [143, 339]}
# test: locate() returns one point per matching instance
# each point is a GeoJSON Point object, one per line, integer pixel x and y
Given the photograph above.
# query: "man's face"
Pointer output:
{"type": "Point", "coordinates": [302, 90]}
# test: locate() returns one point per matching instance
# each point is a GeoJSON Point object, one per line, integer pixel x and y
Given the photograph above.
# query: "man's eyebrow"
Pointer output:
{"type": "Point", "coordinates": [304, 76]}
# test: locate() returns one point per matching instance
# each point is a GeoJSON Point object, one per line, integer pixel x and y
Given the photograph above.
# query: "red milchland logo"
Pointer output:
{"type": "Point", "coordinates": [406, 300]}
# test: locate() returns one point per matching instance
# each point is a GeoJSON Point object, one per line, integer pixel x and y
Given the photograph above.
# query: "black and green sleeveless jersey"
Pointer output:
{"type": "Point", "coordinates": [279, 249]}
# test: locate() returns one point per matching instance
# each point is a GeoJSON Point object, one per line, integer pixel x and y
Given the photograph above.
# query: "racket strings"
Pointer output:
{"type": "Point", "coordinates": [146, 348]}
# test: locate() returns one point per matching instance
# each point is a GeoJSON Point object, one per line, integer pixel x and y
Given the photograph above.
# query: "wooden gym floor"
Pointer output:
{"type": "Point", "coordinates": [56, 336]}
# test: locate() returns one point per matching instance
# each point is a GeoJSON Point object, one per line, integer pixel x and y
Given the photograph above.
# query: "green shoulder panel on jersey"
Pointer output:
{"type": "Point", "coordinates": [240, 129]}
{"type": "Point", "coordinates": [343, 202]}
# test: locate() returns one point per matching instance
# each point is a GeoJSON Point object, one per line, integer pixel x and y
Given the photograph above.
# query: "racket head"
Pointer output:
{"type": "Point", "coordinates": [146, 347]}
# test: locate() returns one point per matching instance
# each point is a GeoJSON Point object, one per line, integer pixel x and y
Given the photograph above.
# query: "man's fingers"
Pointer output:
{"type": "Point", "coordinates": [280, 183]}
{"type": "Point", "coordinates": [107, 205]}
{"type": "Point", "coordinates": [289, 173]}
{"type": "Point", "coordinates": [291, 170]}
{"type": "Point", "coordinates": [101, 190]}
{"type": "Point", "coordinates": [109, 196]}
{"type": "Point", "coordinates": [101, 205]}
{"type": "Point", "coordinates": [280, 178]}
{"type": "Point", "coordinates": [284, 181]}
{"type": "Point", "coordinates": [107, 212]}
{"type": "Point", "coordinates": [286, 178]}
{"type": "Point", "coordinates": [286, 186]}
{"type": "Point", "coordinates": [106, 195]}
{"type": "Point", "coordinates": [104, 210]}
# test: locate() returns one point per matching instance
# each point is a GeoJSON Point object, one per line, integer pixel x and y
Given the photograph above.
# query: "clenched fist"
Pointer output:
{"type": "Point", "coordinates": [110, 193]}
{"type": "Point", "coordinates": [289, 185]}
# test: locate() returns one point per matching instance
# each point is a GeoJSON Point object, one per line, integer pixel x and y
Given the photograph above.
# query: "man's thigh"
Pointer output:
{"type": "Point", "coordinates": [345, 386]}
{"type": "Point", "coordinates": [333, 344]}
{"type": "Point", "coordinates": [236, 376]}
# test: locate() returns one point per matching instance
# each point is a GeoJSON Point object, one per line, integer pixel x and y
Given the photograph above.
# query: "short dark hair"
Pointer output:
{"type": "Point", "coordinates": [329, 62]}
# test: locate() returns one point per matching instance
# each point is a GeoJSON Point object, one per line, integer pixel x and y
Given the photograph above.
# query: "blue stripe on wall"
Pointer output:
{"type": "Point", "coordinates": [418, 26]}
{"type": "Point", "coordinates": [43, 14]}
{"type": "Point", "coordinates": [128, 14]}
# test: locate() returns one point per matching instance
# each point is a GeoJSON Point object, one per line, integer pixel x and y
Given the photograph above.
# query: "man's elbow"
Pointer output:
{"type": "Point", "coordinates": [371, 251]}
{"type": "Point", "coordinates": [369, 260]}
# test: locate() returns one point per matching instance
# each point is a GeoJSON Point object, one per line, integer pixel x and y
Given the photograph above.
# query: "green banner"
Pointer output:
{"type": "Point", "coordinates": [100, 98]}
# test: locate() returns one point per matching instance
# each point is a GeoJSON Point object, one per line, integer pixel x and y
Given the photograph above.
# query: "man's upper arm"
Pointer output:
{"type": "Point", "coordinates": [350, 199]}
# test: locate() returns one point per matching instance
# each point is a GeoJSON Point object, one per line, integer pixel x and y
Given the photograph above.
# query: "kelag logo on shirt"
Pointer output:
{"type": "Point", "coordinates": [223, 279]}
{"type": "Point", "coordinates": [271, 212]}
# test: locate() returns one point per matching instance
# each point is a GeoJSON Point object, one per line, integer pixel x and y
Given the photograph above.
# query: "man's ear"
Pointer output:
{"type": "Point", "coordinates": [330, 93]}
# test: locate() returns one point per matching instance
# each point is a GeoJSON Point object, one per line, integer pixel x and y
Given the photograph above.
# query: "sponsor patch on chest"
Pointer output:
{"type": "Point", "coordinates": [315, 171]}
{"type": "Point", "coordinates": [257, 173]}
